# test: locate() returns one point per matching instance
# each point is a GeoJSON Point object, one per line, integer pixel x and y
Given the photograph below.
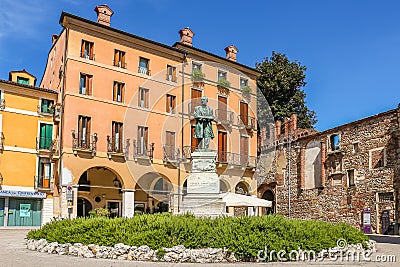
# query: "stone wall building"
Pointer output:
{"type": "Point", "coordinates": [334, 174]}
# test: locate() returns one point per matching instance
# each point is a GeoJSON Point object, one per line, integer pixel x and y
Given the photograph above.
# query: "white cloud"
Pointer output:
{"type": "Point", "coordinates": [21, 18]}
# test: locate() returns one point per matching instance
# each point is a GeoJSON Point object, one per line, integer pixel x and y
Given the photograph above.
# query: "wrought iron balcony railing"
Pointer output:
{"type": "Point", "coordinates": [247, 121]}
{"type": "Point", "coordinates": [84, 142]}
{"type": "Point", "coordinates": [2, 104]}
{"type": "Point", "coordinates": [171, 153]}
{"type": "Point", "coordinates": [143, 150]}
{"type": "Point", "coordinates": [236, 159]}
{"type": "Point", "coordinates": [117, 147]}
{"type": "Point", "coordinates": [43, 182]}
{"type": "Point", "coordinates": [187, 152]}
{"type": "Point", "coordinates": [120, 64]}
{"type": "Point", "coordinates": [144, 70]}
{"type": "Point", "coordinates": [43, 110]}
{"type": "Point", "coordinates": [43, 143]}
{"type": "Point", "coordinates": [224, 117]}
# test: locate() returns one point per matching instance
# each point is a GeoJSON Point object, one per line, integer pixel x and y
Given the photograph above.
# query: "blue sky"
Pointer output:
{"type": "Point", "coordinates": [351, 48]}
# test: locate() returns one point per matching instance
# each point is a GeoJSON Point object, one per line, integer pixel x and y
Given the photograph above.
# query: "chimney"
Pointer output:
{"type": "Point", "coordinates": [186, 36]}
{"type": "Point", "coordinates": [278, 127]}
{"type": "Point", "coordinates": [286, 125]}
{"type": "Point", "coordinates": [54, 38]}
{"type": "Point", "coordinates": [293, 122]}
{"type": "Point", "coordinates": [231, 52]}
{"type": "Point", "coordinates": [104, 14]}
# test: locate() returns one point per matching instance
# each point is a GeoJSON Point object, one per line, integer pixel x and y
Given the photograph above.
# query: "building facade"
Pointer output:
{"type": "Point", "coordinates": [126, 123]}
{"type": "Point", "coordinates": [338, 175]}
{"type": "Point", "coordinates": [27, 132]}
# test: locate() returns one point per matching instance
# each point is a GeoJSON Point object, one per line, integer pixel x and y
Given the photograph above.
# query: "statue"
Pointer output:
{"type": "Point", "coordinates": [204, 116]}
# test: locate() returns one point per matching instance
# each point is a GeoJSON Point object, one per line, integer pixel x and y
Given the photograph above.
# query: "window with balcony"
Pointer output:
{"type": "Point", "coordinates": [22, 80]}
{"type": "Point", "coordinates": [44, 173]}
{"type": "Point", "coordinates": [116, 141]}
{"type": "Point", "coordinates": [46, 106]}
{"type": "Point", "coordinates": [196, 67]}
{"type": "Point", "coordinates": [143, 98]}
{"type": "Point", "coordinates": [244, 114]}
{"type": "Point", "coordinates": [119, 59]}
{"type": "Point", "coordinates": [169, 148]}
{"type": "Point", "coordinates": [87, 50]}
{"type": "Point", "coordinates": [118, 91]}
{"type": "Point", "coordinates": [85, 84]}
{"type": "Point", "coordinates": [244, 83]}
{"type": "Point", "coordinates": [144, 66]}
{"type": "Point", "coordinates": [244, 150]}
{"type": "Point", "coordinates": [45, 136]}
{"type": "Point", "coordinates": [221, 75]}
{"type": "Point", "coordinates": [171, 104]}
{"type": "Point", "coordinates": [142, 140]}
{"type": "Point", "coordinates": [197, 72]}
{"type": "Point", "coordinates": [222, 147]}
{"type": "Point", "coordinates": [171, 73]}
{"type": "Point", "coordinates": [84, 128]}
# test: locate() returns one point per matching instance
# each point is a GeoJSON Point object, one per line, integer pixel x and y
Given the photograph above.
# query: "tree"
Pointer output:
{"type": "Point", "coordinates": [281, 83]}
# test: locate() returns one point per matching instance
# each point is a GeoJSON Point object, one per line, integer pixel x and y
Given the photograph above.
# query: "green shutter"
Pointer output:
{"type": "Point", "coordinates": [46, 135]}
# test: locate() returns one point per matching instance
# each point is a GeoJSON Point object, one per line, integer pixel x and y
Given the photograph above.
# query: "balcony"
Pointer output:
{"type": "Point", "coordinates": [143, 150]}
{"type": "Point", "coordinates": [224, 117]}
{"type": "Point", "coordinates": [116, 148]}
{"type": "Point", "coordinates": [43, 144]}
{"type": "Point", "coordinates": [119, 64]}
{"type": "Point", "coordinates": [2, 104]}
{"type": "Point", "coordinates": [41, 110]}
{"type": "Point", "coordinates": [43, 182]}
{"type": "Point", "coordinates": [236, 159]}
{"type": "Point", "coordinates": [144, 70]}
{"type": "Point", "coordinates": [171, 153]}
{"type": "Point", "coordinates": [84, 143]}
{"type": "Point", "coordinates": [55, 149]}
{"type": "Point", "coordinates": [1, 142]}
{"type": "Point", "coordinates": [247, 122]}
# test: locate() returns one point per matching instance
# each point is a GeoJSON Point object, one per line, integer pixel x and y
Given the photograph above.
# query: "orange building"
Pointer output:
{"type": "Point", "coordinates": [126, 126]}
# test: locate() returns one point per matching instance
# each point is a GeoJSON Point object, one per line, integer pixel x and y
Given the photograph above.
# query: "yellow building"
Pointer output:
{"type": "Point", "coordinates": [27, 132]}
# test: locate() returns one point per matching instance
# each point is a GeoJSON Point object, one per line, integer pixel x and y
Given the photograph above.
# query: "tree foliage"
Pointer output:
{"type": "Point", "coordinates": [281, 83]}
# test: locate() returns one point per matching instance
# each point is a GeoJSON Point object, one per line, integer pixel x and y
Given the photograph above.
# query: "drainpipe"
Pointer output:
{"type": "Point", "coordinates": [60, 129]}
{"type": "Point", "coordinates": [182, 128]}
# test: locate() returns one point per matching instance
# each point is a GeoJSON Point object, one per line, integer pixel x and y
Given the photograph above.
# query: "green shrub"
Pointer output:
{"type": "Point", "coordinates": [99, 212]}
{"type": "Point", "coordinates": [246, 89]}
{"type": "Point", "coordinates": [224, 83]}
{"type": "Point", "coordinates": [243, 235]}
{"type": "Point", "coordinates": [197, 75]}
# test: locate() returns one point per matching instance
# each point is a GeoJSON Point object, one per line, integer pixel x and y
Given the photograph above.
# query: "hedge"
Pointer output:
{"type": "Point", "coordinates": [243, 235]}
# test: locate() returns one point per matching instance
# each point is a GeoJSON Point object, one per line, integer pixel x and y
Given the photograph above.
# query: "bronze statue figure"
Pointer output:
{"type": "Point", "coordinates": [204, 116]}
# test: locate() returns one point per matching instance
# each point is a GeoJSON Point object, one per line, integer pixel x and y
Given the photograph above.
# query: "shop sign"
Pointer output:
{"type": "Point", "coordinates": [26, 194]}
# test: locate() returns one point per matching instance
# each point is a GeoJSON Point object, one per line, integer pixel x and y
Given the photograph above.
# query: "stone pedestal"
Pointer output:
{"type": "Point", "coordinates": [203, 195]}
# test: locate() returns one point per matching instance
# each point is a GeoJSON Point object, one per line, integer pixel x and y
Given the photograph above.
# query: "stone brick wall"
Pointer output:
{"type": "Point", "coordinates": [370, 147]}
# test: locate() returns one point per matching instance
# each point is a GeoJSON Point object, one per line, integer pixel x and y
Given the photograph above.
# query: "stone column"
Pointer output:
{"type": "Point", "coordinates": [128, 203]}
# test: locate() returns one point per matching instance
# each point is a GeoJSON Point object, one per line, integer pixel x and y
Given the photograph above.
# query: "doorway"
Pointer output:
{"type": "Point", "coordinates": [84, 206]}
{"type": "Point", "coordinates": [115, 208]}
{"type": "Point", "coordinates": [24, 212]}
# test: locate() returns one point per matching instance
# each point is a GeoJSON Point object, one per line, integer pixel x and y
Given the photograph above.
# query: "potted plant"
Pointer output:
{"type": "Point", "coordinates": [246, 89]}
{"type": "Point", "coordinates": [197, 75]}
{"type": "Point", "coordinates": [224, 83]}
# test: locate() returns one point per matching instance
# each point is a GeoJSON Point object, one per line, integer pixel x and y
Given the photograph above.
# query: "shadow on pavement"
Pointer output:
{"type": "Point", "coordinates": [385, 239]}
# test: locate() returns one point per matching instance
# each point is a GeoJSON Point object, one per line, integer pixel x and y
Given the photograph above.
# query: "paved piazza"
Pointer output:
{"type": "Point", "coordinates": [14, 253]}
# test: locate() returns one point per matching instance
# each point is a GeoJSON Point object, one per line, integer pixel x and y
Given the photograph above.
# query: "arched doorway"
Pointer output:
{"type": "Point", "coordinates": [269, 195]}
{"type": "Point", "coordinates": [84, 206]}
{"type": "Point", "coordinates": [99, 187]}
{"type": "Point", "coordinates": [153, 193]}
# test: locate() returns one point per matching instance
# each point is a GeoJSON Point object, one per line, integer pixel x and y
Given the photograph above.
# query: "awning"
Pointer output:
{"type": "Point", "coordinates": [237, 200]}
